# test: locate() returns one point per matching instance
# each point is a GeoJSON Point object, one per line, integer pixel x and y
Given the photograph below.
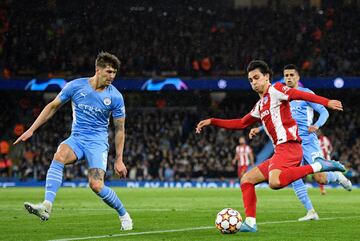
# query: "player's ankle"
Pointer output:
{"type": "Point", "coordinates": [48, 205]}
{"type": "Point", "coordinates": [316, 167]}
{"type": "Point", "coordinates": [125, 216]}
{"type": "Point", "coordinates": [251, 221]}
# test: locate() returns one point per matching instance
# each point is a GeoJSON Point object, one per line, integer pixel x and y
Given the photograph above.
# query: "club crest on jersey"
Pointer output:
{"type": "Point", "coordinates": [265, 100]}
{"type": "Point", "coordinates": [285, 89]}
{"type": "Point", "coordinates": [107, 101]}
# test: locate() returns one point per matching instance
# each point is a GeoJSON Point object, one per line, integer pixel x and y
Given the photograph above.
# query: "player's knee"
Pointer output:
{"type": "Point", "coordinates": [275, 184]}
{"type": "Point", "coordinates": [244, 179]}
{"type": "Point", "coordinates": [96, 186]}
{"type": "Point", "coordinates": [247, 178]}
{"type": "Point", "coordinates": [60, 158]}
{"type": "Point", "coordinates": [320, 178]}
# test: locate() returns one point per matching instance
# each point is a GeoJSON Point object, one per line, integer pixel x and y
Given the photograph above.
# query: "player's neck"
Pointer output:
{"type": "Point", "coordinates": [95, 84]}
{"type": "Point", "coordinates": [264, 90]}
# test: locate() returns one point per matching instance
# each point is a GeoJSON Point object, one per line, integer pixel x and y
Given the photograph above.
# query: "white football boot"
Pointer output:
{"type": "Point", "coordinates": [41, 210]}
{"type": "Point", "coordinates": [343, 181]}
{"type": "Point", "coordinates": [126, 222]}
{"type": "Point", "coordinates": [311, 215]}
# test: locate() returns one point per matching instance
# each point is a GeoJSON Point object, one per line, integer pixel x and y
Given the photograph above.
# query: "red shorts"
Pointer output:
{"type": "Point", "coordinates": [241, 170]}
{"type": "Point", "coordinates": [288, 154]}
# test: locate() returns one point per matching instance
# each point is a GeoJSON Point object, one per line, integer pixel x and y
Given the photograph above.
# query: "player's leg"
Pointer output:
{"type": "Point", "coordinates": [321, 177]}
{"type": "Point", "coordinates": [284, 165]}
{"type": "Point", "coordinates": [285, 168]}
{"type": "Point", "coordinates": [301, 189]}
{"type": "Point", "coordinates": [302, 194]}
{"type": "Point", "coordinates": [322, 189]}
{"type": "Point", "coordinates": [65, 154]}
{"type": "Point", "coordinates": [96, 183]}
{"type": "Point", "coordinates": [325, 177]}
{"type": "Point", "coordinates": [96, 155]}
{"type": "Point", "coordinates": [241, 171]}
{"type": "Point", "coordinates": [248, 182]}
{"type": "Point", "coordinates": [333, 177]}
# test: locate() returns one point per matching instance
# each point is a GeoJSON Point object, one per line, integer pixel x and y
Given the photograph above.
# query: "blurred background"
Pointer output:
{"type": "Point", "coordinates": [182, 61]}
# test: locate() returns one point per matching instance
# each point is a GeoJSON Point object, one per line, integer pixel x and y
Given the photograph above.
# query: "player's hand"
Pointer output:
{"type": "Point", "coordinates": [26, 135]}
{"type": "Point", "coordinates": [253, 132]}
{"type": "Point", "coordinates": [335, 105]}
{"type": "Point", "coordinates": [313, 128]}
{"type": "Point", "coordinates": [202, 124]}
{"type": "Point", "coordinates": [120, 168]}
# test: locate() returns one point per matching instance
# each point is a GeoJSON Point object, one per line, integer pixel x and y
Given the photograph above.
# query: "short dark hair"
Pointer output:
{"type": "Point", "coordinates": [292, 66]}
{"type": "Point", "coordinates": [262, 66]}
{"type": "Point", "coordinates": [105, 59]}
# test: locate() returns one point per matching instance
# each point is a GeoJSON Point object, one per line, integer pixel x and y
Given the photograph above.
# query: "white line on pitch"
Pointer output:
{"type": "Point", "coordinates": [185, 229]}
{"type": "Point", "coordinates": [150, 209]}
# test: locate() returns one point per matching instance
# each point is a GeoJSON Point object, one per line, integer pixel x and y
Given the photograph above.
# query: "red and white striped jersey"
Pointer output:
{"type": "Point", "coordinates": [326, 146]}
{"type": "Point", "coordinates": [243, 155]}
{"type": "Point", "coordinates": [274, 111]}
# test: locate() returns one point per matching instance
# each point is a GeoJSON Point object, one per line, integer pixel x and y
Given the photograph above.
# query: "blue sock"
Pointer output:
{"type": "Point", "coordinates": [111, 199]}
{"type": "Point", "coordinates": [302, 194]}
{"type": "Point", "coordinates": [54, 178]}
{"type": "Point", "coordinates": [332, 177]}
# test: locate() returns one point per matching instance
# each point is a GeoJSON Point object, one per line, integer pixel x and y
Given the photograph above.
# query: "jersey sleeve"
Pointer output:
{"type": "Point", "coordinates": [255, 112]}
{"type": "Point", "coordinates": [119, 107]}
{"type": "Point", "coordinates": [67, 92]}
{"type": "Point", "coordinates": [295, 94]}
{"type": "Point", "coordinates": [323, 113]}
{"type": "Point", "coordinates": [281, 91]}
{"type": "Point", "coordinates": [242, 123]}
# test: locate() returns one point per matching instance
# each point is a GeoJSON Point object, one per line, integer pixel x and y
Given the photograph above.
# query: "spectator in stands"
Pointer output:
{"type": "Point", "coordinates": [176, 39]}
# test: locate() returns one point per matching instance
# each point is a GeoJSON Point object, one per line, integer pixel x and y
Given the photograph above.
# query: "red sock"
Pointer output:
{"type": "Point", "coordinates": [249, 199]}
{"type": "Point", "coordinates": [322, 189]}
{"type": "Point", "coordinates": [292, 174]}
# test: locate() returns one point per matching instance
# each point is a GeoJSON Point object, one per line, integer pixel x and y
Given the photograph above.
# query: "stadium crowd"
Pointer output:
{"type": "Point", "coordinates": [180, 38]}
{"type": "Point", "coordinates": [161, 143]}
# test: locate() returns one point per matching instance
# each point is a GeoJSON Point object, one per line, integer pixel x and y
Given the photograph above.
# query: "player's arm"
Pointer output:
{"type": "Point", "coordinates": [254, 131]}
{"type": "Point", "coordinates": [48, 111]}
{"type": "Point", "coordinates": [295, 94]}
{"type": "Point", "coordinates": [323, 116]}
{"type": "Point", "coordinates": [120, 168]}
{"type": "Point", "coordinates": [242, 123]}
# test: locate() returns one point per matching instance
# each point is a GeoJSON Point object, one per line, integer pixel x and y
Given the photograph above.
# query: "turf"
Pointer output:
{"type": "Point", "coordinates": [78, 213]}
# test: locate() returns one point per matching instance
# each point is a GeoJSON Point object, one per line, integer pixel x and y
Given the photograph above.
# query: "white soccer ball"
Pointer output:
{"type": "Point", "coordinates": [228, 221]}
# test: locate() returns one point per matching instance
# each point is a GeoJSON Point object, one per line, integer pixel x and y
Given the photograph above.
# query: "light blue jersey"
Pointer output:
{"type": "Point", "coordinates": [303, 112]}
{"type": "Point", "coordinates": [91, 113]}
{"type": "Point", "coordinates": [92, 109]}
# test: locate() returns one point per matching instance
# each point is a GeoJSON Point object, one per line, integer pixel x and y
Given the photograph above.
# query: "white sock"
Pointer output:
{"type": "Point", "coordinates": [316, 166]}
{"type": "Point", "coordinates": [250, 221]}
{"type": "Point", "coordinates": [125, 216]}
{"type": "Point", "coordinates": [48, 205]}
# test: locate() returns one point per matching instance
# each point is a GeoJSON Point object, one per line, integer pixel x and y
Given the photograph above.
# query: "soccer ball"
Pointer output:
{"type": "Point", "coordinates": [228, 221]}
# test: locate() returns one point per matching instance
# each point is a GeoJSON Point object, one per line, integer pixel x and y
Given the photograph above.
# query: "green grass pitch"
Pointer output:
{"type": "Point", "coordinates": [178, 214]}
